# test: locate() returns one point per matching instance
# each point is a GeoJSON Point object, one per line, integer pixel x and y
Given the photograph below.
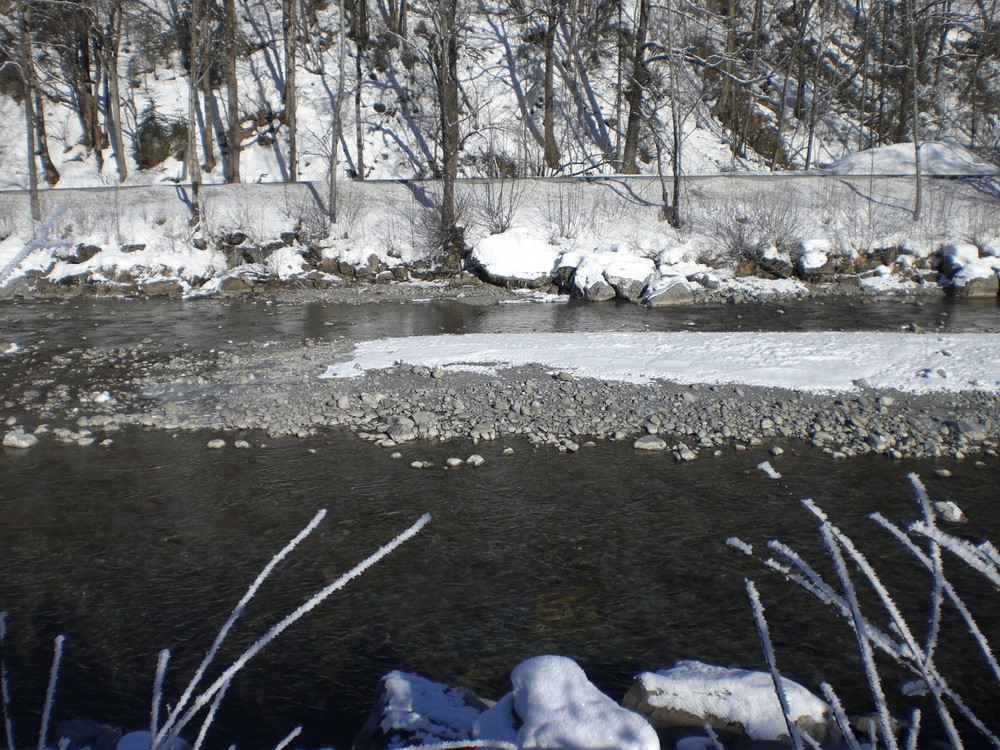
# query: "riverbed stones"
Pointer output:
{"type": "Point", "coordinates": [216, 444]}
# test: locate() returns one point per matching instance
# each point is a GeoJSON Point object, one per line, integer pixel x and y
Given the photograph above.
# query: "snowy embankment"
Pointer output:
{"type": "Point", "coordinates": [815, 362]}
{"type": "Point", "coordinates": [744, 237]}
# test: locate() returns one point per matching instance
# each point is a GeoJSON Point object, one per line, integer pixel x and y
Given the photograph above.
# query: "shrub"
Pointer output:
{"type": "Point", "coordinates": [158, 138]}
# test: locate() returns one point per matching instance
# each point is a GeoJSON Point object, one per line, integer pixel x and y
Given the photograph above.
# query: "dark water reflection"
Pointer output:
{"type": "Point", "coordinates": [613, 557]}
{"type": "Point", "coordinates": [203, 324]}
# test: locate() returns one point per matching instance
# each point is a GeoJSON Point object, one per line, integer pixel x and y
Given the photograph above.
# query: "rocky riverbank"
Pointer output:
{"type": "Point", "coordinates": [277, 388]}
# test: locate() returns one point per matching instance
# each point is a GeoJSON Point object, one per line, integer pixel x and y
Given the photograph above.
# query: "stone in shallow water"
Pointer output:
{"type": "Point", "coordinates": [650, 443]}
{"type": "Point", "coordinates": [216, 444]}
{"type": "Point", "coordinates": [17, 439]}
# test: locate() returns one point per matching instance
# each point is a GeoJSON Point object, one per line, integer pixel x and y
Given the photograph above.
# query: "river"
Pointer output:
{"type": "Point", "coordinates": [611, 556]}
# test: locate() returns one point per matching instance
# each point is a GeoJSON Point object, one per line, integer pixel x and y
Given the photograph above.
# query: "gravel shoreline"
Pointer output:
{"type": "Point", "coordinates": [277, 389]}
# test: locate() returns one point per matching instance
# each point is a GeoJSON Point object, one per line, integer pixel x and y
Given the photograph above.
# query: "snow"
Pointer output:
{"type": "Point", "coordinates": [517, 253]}
{"type": "Point", "coordinates": [732, 695]}
{"type": "Point", "coordinates": [426, 711]}
{"type": "Point", "coordinates": [560, 708]}
{"type": "Point", "coordinates": [939, 158]}
{"type": "Point", "coordinates": [815, 362]}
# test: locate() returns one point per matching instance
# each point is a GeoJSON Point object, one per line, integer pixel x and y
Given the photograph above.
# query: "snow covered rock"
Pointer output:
{"type": "Point", "coordinates": [589, 282]}
{"type": "Point", "coordinates": [630, 276]}
{"type": "Point", "coordinates": [412, 710]}
{"type": "Point", "coordinates": [554, 705]}
{"type": "Point", "coordinates": [691, 694]}
{"type": "Point", "coordinates": [974, 280]}
{"type": "Point", "coordinates": [515, 258]}
{"type": "Point", "coordinates": [952, 257]}
{"type": "Point", "coordinates": [670, 290]}
{"type": "Point", "coordinates": [815, 262]}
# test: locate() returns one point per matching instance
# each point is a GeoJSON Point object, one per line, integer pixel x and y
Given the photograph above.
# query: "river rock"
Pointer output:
{"type": "Point", "coordinates": [18, 439]}
{"type": "Point", "coordinates": [412, 710]}
{"type": "Point", "coordinates": [554, 705]}
{"type": "Point", "coordinates": [946, 510]}
{"type": "Point", "coordinates": [216, 444]}
{"type": "Point", "coordinates": [650, 443]}
{"type": "Point", "coordinates": [671, 290]}
{"type": "Point", "coordinates": [974, 281]}
{"type": "Point", "coordinates": [630, 277]}
{"type": "Point", "coordinates": [693, 694]}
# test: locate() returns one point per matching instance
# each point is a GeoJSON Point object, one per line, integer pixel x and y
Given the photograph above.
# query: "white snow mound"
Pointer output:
{"type": "Point", "coordinates": [937, 158]}
{"type": "Point", "coordinates": [560, 708]}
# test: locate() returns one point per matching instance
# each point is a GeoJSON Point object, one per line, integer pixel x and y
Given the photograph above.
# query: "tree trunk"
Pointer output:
{"type": "Point", "coordinates": [194, 76]}
{"type": "Point", "coordinates": [338, 123]}
{"type": "Point", "coordinates": [289, 27]}
{"type": "Point", "coordinates": [206, 120]}
{"type": "Point", "coordinates": [634, 93]}
{"type": "Point", "coordinates": [551, 154]}
{"type": "Point", "coordinates": [359, 124]}
{"type": "Point", "coordinates": [114, 108]}
{"type": "Point", "coordinates": [42, 135]}
{"type": "Point", "coordinates": [918, 186]}
{"type": "Point", "coordinates": [234, 133]}
{"type": "Point", "coordinates": [448, 104]}
{"type": "Point", "coordinates": [29, 111]}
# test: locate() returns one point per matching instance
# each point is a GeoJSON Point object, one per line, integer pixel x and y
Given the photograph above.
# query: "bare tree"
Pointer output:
{"type": "Point", "coordinates": [289, 30]}
{"type": "Point", "coordinates": [234, 131]}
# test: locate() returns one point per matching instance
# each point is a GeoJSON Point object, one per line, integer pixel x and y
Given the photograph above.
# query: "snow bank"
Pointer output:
{"type": "Point", "coordinates": [554, 705]}
{"type": "Point", "coordinates": [818, 362]}
{"type": "Point", "coordinates": [939, 158]}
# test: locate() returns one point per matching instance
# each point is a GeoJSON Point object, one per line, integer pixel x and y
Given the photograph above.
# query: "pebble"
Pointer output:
{"type": "Point", "coordinates": [454, 463]}
{"type": "Point", "coordinates": [421, 465]}
{"type": "Point", "coordinates": [216, 444]}
{"type": "Point", "coordinates": [241, 445]}
{"type": "Point", "coordinates": [475, 460]}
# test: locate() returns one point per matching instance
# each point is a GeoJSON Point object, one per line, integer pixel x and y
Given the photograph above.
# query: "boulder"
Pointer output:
{"type": "Point", "coordinates": [630, 277]}
{"type": "Point", "coordinates": [693, 694]}
{"type": "Point", "coordinates": [554, 705]}
{"type": "Point", "coordinates": [974, 280]}
{"type": "Point", "coordinates": [18, 439]}
{"type": "Point", "coordinates": [589, 282]}
{"type": "Point", "coordinates": [952, 257]}
{"type": "Point", "coordinates": [79, 253]}
{"type": "Point", "coordinates": [670, 290]}
{"type": "Point", "coordinates": [814, 262]}
{"type": "Point", "coordinates": [412, 710]}
{"type": "Point", "coordinates": [650, 443]}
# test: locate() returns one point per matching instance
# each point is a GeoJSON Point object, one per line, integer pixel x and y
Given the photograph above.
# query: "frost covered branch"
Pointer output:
{"type": "Point", "coordinates": [188, 707]}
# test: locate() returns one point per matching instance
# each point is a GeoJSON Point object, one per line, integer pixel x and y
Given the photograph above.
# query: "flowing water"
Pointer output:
{"type": "Point", "coordinates": [614, 557]}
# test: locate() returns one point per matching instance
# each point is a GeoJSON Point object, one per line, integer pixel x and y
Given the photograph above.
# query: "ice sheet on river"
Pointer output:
{"type": "Point", "coordinates": [818, 362]}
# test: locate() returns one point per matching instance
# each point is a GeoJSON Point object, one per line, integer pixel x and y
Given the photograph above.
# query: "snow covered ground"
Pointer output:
{"type": "Point", "coordinates": [817, 362]}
